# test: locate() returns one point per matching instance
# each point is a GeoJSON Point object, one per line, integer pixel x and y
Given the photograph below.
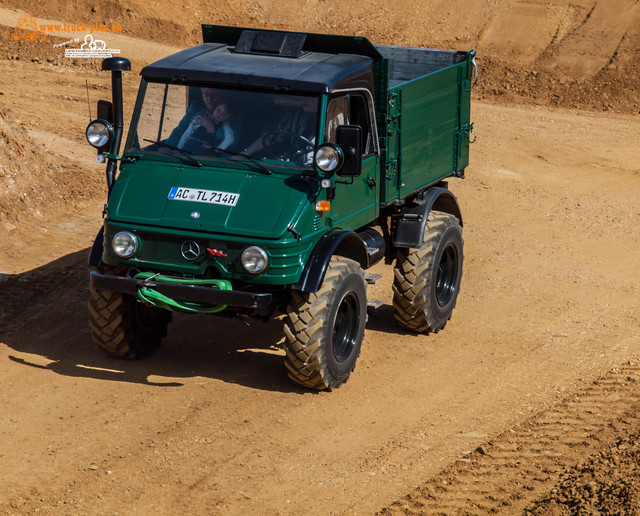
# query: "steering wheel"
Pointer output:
{"type": "Point", "coordinates": [286, 146]}
{"type": "Point", "coordinates": [197, 141]}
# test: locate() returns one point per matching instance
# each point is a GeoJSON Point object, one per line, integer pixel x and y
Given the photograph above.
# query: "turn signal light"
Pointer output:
{"type": "Point", "coordinates": [323, 206]}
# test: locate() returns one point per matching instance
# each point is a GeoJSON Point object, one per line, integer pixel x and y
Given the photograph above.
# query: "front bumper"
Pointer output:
{"type": "Point", "coordinates": [192, 293]}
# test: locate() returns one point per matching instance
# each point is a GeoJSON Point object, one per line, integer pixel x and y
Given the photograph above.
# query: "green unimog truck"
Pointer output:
{"type": "Point", "coordinates": [263, 173]}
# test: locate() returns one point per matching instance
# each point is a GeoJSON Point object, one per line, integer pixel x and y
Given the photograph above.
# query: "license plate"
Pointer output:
{"type": "Point", "coordinates": [178, 193]}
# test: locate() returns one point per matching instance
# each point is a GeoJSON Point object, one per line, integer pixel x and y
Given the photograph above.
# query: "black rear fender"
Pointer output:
{"type": "Point", "coordinates": [410, 223]}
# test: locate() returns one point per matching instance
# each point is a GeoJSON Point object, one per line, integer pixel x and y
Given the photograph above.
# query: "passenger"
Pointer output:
{"type": "Point", "coordinates": [205, 126]}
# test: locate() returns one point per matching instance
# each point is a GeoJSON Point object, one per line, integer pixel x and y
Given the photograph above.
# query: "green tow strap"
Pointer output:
{"type": "Point", "coordinates": [155, 298]}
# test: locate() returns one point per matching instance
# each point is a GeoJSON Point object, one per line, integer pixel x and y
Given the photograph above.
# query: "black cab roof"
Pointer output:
{"type": "Point", "coordinates": [300, 62]}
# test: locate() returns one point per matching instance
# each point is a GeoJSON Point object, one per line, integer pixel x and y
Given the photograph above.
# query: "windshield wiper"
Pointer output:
{"type": "Point", "coordinates": [261, 168]}
{"type": "Point", "coordinates": [185, 153]}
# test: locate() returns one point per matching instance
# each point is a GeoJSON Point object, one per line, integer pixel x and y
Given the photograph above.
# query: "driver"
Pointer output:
{"type": "Point", "coordinates": [300, 121]}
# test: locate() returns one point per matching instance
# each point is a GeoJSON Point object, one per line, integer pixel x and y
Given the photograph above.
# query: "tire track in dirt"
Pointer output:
{"type": "Point", "coordinates": [525, 462]}
{"type": "Point", "coordinates": [592, 45]}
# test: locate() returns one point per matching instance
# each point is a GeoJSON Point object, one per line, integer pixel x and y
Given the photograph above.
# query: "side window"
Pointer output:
{"type": "Point", "coordinates": [359, 115]}
{"type": "Point", "coordinates": [349, 110]}
{"type": "Point", "coordinates": [337, 114]}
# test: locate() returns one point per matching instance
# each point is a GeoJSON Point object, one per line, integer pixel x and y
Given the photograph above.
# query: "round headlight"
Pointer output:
{"type": "Point", "coordinates": [125, 244]}
{"type": "Point", "coordinates": [99, 133]}
{"type": "Point", "coordinates": [254, 259]}
{"type": "Point", "coordinates": [329, 158]}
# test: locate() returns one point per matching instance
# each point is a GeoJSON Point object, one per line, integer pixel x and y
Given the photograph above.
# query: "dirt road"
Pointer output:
{"type": "Point", "coordinates": [210, 423]}
{"type": "Point", "coordinates": [535, 373]}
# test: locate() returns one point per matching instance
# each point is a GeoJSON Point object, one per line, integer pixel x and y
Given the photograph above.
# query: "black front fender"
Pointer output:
{"type": "Point", "coordinates": [95, 256]}
{"type": "Point", "coordinates": [343, 243]}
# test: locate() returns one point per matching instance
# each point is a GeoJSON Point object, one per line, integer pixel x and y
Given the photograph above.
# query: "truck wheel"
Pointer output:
{"type": "Point", "coordinates": [324, 330]}
{"type": "Point", "coordinates": [427, 280]}
{"type": "Point", "coordinates": [123, 326]}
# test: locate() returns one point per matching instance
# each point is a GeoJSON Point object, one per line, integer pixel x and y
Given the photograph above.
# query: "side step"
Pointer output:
{"type": "Point", "coordinates": [371, 277]}
{"type": "Point", "coordinates": [374, 304]}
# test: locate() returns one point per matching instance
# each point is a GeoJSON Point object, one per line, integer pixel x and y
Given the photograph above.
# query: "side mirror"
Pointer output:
{"type": "Point", "coordinates": [349, 139]}
{"type": "Point", "coordinates": [105, 111]}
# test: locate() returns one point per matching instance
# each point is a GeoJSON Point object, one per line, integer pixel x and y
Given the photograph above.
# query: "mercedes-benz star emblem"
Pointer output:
{"type": "Point", "coordinates": [190, 250]}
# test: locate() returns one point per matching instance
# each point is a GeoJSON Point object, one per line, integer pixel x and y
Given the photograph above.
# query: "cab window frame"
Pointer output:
{"type": "Point", "coordinates": [370, 132]}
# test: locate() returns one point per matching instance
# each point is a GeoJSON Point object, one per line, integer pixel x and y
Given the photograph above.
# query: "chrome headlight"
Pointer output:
{"type": "Point", "coordinates": [125, 244]}
{"type": "Point", "coordinates": [329, 158]}
{"type": "Point", "coordinates": [254, 259]}
{"type": "Point", "coordinates": [99, 133]}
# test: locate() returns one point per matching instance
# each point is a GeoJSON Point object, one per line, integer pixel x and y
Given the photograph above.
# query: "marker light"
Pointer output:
{"type": "Point", "coordinates": [323, 206]}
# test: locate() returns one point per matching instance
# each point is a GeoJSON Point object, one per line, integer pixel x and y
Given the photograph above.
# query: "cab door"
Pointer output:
{"type": "Point", "coordinates": [355, 201]}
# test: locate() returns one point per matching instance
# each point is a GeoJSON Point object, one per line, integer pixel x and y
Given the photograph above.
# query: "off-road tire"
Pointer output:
{"type": "Point", "coordinates": [122, 326]}
{"type": "Point", "coordinates": [324, 330]}
{"type": "Point", "coordinates": [427, 280]}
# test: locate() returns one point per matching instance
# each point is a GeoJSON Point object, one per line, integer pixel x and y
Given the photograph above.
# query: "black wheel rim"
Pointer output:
{"type": "Point", "coordinates": [447, 275]}
{"type": "Point", "coordinates": [345, 328]}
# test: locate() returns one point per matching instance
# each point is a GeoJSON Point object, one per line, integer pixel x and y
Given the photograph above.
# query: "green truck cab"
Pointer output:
{"type": "Point", "coordinates": [263, 173]}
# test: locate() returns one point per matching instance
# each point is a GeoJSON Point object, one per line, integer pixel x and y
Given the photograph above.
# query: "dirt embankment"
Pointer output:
{"type": "Point", "coordinates": [572, 54]}
{"type": "Point", "coordinates": [30, 180]}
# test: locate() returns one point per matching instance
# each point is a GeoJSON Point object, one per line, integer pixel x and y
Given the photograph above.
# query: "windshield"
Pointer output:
{"type": "Point", "coordinates": [215, 122]}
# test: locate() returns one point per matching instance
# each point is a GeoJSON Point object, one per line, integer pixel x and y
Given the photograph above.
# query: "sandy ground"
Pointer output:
{"type": "Point", "coordinates": [534, 376]}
